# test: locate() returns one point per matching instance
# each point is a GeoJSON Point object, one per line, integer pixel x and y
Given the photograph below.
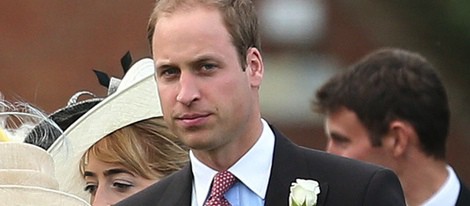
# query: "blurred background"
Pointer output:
{"type": "Point", "coordinates": [49, 48]}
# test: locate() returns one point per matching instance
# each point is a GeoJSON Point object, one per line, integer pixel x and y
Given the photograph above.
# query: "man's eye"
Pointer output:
{"type": "Point", "coordinates": [90, 188]}
{"type": "Point", "coordinates": [208, 66]}
{"type": "Point", "coordinates": [340, 143]}
{"type": "Point", "coordinates": [339, 140]}
{"type": "Point", "coordinates": [169, 73]}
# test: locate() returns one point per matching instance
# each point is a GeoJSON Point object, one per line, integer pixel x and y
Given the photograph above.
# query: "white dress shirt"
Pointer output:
{"type": "Point", "coordinates": [446, 195]}
{"type": "Point", "coordinates": [252, 170]}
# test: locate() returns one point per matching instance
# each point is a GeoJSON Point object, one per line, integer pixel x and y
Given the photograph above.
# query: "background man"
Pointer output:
{"type": "Point", "coordinates": [391, 108]}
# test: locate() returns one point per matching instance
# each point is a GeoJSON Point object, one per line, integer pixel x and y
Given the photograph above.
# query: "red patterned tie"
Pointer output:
{"type": "Point", "coordinates": [222, 183]}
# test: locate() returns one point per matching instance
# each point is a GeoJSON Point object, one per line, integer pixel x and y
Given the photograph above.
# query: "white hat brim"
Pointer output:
{"type": "Point", "coordinates": [37, 196]}
{"type": "Point", "coordinates": [135, 99]}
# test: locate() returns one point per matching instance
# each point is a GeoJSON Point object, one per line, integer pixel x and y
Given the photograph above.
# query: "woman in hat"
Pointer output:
{"type": "Point", "coordinates": [121, 145]}
{"type": "Point", "coordinates": [130, 159]}
{"type": "Point", "coordinates": [27, 171]}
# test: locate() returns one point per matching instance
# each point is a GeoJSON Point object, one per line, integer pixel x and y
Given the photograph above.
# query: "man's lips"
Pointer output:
{"type": "Point", "coordinates": [191, 120]}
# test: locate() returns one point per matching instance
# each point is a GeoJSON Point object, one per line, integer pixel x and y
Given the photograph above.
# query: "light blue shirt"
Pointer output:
{"type": "Point", "coordinates": [252, 170]}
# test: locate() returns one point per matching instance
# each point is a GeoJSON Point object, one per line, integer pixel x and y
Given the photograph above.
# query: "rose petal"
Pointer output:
{"type": "Point", "coordinates": [299, 194]}
{"type": "Point", "coordinates": [304, 192]}
{"type": "Point", "coordinates": [308, 184]}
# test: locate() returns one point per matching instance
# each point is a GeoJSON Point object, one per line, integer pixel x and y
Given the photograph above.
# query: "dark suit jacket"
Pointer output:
{"type": "Point", "coordinates": [464, 196]}
{"type": "Point", "coordinates": [342, 181]}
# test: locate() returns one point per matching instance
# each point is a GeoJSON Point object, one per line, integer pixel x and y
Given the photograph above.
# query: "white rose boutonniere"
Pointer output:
{"type": "Point", "coordinates": [304, 193]}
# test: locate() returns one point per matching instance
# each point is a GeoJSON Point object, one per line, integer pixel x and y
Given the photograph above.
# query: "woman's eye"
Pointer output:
{"type": "Point", "coordinates": [122, 187]}
{"type": "Point", "coordinates": [90, 188]}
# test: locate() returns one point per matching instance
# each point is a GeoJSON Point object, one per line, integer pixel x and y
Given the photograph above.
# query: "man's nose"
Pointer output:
{"type": "Point", "coordinates": [189, 91]}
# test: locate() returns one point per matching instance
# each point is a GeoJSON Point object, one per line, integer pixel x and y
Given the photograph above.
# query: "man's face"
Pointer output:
{"type": "Point", "coordinates": [348, 137]}
{"type": "Point", "coordinates": [207, 99]}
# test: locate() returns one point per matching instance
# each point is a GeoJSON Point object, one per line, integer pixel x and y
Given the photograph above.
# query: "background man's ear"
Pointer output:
{"type": "Point", "coordinates": [403, 135]}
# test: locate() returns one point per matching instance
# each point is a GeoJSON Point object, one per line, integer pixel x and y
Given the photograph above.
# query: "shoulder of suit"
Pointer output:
{"type": "Point", "coordinates": [335, 162]}
{"type": "Point", "coordinates": [464, 195]}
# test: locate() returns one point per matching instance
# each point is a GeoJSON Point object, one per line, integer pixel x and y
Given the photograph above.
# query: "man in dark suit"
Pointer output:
{"type": "Point", "coordinates": [209, 70]}
{"type": "Point", "coordinates": [391, 108]}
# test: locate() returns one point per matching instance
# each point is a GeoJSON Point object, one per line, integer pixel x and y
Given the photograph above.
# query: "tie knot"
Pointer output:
{"type": "Point", "coordinates": [222, 183]}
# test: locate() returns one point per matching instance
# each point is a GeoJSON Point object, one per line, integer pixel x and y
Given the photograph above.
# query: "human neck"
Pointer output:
{"type": "Point", "coordinates": [421, 178]}
{"type": "Point", "coordinates": [223, 157]}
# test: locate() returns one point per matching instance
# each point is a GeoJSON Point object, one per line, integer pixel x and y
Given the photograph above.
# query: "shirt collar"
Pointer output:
{"type": "Point", "coordinates": [252, 169]}
{"type": "Point", "coordinates": [449, 191]}
{"type": "Point", "coordinates": [203, 176]}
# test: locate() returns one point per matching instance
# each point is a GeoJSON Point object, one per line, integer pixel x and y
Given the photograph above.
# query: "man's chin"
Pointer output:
{"type": "Point", "coordinates": [198, 142]}
{"type": "Point", "coordinates": [192, 139]}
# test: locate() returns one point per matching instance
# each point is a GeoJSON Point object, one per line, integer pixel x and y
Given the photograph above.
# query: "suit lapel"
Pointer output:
{"type": "Point", "coordinates": [179, 189]}
{"type": "Point", "coordinates": [288, 165]}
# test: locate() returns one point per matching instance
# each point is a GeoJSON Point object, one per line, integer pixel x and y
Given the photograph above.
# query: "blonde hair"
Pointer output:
{"type": "Point", "coordinates": [147, 148]}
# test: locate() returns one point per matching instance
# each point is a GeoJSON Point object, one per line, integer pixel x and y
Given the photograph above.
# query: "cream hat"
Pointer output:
{"type": "Point", "coordinates": [27, 177]}
{"type": "Point", "coordinates": [135, 99]}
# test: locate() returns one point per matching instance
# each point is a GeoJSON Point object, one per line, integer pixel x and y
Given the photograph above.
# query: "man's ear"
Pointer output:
{"type": "Point", "coordinates": [401, 135]}
{"type": "Point", "coordinates": [255, 67]}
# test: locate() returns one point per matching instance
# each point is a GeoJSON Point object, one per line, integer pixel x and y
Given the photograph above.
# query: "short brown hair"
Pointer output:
{"type": "Point", "coordinates": [392, 84]}
{"type": "Point", "coordinates": [239, 17]}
